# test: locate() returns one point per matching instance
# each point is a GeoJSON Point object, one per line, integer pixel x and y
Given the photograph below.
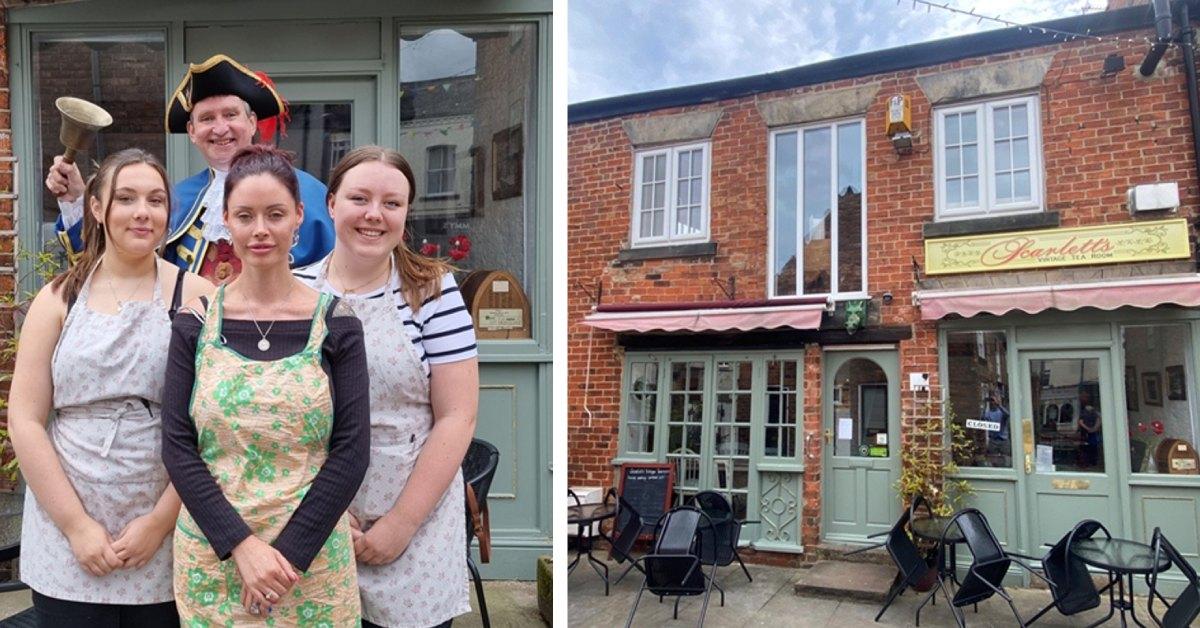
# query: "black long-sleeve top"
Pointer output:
{"type": "Point", "coordinates": [343, 357]}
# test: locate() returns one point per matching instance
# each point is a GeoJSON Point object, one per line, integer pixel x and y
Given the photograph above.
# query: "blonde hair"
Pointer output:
{"type": "Point", "coordinates": [420, 276]}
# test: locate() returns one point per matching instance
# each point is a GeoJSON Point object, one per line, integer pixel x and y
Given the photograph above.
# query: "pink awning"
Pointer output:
{"type": "Point", "coordinates": [718, 317]}
{"type": "Point", "coordinates": [1145, 292]}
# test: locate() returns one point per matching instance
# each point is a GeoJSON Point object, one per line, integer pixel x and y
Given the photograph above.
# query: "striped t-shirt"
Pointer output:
{"type": "Point", "coordinates": [441, 332]}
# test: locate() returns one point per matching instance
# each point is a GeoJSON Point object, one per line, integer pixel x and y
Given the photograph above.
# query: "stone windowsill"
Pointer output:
{"type": "Point", "coordinates": [993, 224]}
{"type": "Point", "coordinates": [700, 249]}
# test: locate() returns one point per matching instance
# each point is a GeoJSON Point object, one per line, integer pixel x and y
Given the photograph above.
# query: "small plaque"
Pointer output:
{"type": "Point", "coordinates": [1183, 464]}
{"type": "Point", "coordinates": [499, 286]}
{"type": "Point", "coordinates": [495, 319]}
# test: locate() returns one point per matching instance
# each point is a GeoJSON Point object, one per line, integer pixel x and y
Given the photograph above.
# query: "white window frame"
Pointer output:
{"type": "Point", "coordinates": [453, 170]}
{"type": "Point", "coordinates": [988, 206]}
{"type": "Point", "coordinates": [832, 125]}
{"type": "Point", "coordinates": [669, 237]}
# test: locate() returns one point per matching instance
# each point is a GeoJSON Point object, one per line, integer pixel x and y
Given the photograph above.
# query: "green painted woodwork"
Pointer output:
{"type": "Point", "coordinates": [1026, 510]}
{"type": "Point", "coordinates": [319, 51]}
{"type": "Point", "coordinates": [858, 492]}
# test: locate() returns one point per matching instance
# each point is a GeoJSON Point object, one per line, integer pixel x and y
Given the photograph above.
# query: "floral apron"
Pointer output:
{"type": "Point", "coordinates": [108, 372]}
{"type": "Point", "coordinates": [235, 403]}
{"type": "Point", "coordinates": [428, 584]}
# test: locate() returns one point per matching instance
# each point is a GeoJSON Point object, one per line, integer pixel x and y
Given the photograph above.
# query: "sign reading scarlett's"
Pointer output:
{"type": "Point", "coordinates": [1047, 248]}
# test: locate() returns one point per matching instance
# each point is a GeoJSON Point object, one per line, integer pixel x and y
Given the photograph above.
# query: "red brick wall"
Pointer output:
{"type": "Point", "coordinates": [1099, 137]}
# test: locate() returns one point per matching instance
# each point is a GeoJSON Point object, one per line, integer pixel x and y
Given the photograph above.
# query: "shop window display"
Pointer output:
{"type": "Point", "coordinates": [977, 383]}
{"type": "Point", "coordinates": [1160, 399]}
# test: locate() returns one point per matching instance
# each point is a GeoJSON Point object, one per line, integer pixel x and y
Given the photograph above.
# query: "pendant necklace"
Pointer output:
{"type": "Point", "coordinates": [354, 291]}
{"type": "Point", "coordinates": [113, 290]}
{"type": "Point", "coordinates": [264, 345]}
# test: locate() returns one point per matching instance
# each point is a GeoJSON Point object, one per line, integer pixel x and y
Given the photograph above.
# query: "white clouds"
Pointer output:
{"type": "Point", "coordinates": [625, 46]}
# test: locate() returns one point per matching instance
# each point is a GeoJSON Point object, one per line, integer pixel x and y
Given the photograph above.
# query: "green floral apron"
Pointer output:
{"type": "Point", "coordinates": [263, 431]}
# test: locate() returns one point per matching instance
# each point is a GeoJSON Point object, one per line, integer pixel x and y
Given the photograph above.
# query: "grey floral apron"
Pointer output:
{"type": "Point", "coordinates": [108, 372]}
{"type": "Point", "coordinates": [428, 583]}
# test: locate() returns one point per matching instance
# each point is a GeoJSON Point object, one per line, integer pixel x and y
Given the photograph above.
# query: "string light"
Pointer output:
{"type": "Point", "coordinates": [1054, 33]}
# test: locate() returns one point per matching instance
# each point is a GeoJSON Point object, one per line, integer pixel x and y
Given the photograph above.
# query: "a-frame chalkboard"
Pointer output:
{"type": "Point", "coordinates": [648, 487]}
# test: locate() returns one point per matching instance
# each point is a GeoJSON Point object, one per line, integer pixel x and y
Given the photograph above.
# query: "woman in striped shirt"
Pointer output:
{"type": "Point", "coordinates": [410, 532]}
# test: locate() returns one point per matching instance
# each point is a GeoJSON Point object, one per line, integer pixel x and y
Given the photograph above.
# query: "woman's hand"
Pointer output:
{"type": "Point", "coordinates": [266, 574]}
{"type": "Point", "coordinates": [140, 540]}
{"type": "Point", "coordinates": [93, 548]}
{"type": "Point", "coordinates": [384, 542]}
{"type": "Point", "coordinates": [355, 528]}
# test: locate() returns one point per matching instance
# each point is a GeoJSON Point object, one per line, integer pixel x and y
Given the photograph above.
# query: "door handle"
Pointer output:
{"type": "Point", "coordinates": [828, 435]}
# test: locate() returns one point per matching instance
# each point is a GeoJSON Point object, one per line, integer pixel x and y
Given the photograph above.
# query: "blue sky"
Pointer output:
{"type": "Point", "coordinates": [625, 46]}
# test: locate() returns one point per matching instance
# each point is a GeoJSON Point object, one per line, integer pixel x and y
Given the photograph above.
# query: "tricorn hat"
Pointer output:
{"type": "Point", "coordinates": [220, 75]}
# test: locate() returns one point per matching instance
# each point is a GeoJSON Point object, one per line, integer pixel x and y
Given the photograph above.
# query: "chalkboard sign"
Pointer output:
{"type": "Point", "coordinates": [647, 487]}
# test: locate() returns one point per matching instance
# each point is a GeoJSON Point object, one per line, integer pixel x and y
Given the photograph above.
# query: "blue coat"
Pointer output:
{"type": "Point", "coordinates": [186, 245]}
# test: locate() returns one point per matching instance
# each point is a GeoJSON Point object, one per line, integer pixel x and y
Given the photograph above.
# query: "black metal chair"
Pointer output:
{"type": "Point", "coordinates": [1072, 589]}
{"type": "Point", "coordinates": [912, 569]}
{"type": "Point", "coordinates": [1186, 608]}
{"type": "Point", "coordinates": [627, 527]}
{"type": "Point", "coordinates": [478, 468]}
{"type": "Point", "coordinates": [673, 568]}
{"type": "Point", "coordinates": [722, 537]}
{"type": "Point", "coordinates": [985, 576]}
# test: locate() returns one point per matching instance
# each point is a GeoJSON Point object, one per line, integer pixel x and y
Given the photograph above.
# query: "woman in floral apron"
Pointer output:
{"type": "Point", "coordinates": [96, 533]}
{"type": "Point", "coordinates": [410, 537]}
{"type": "Point", "coordinates": [266, 427]}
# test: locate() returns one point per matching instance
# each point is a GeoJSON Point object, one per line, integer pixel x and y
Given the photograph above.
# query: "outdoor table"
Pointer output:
{"type": "Point", "coordinates": [1120, 558]}
{"type": "Point", "coordinates": [930, 529]}
{"type": "Point", "coordinates": [585, 516]}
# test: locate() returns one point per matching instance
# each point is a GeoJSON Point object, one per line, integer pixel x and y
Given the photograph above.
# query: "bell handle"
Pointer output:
{"type": "Point", "coordinates": [68, 156]}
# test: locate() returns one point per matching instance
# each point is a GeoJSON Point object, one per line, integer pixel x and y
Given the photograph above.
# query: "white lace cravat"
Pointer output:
{"type": "Point", "coordinates": [214, 204]}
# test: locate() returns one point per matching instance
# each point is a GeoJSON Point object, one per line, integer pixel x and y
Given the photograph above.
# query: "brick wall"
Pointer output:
{"type": "Point", "coordinates": [1099, 137]}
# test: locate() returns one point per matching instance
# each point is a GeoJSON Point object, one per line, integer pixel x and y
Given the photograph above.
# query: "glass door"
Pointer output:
{"type": "Point", "coordinates": [1069, 442]}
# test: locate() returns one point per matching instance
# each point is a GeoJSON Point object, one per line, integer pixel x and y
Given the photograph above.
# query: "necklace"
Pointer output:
{"type": "Point", "coordinates": [112, 289]}
{"type": "Point", "coordinates": [355, 289]}
{"type": "Point", "coordinates": [264, 345]}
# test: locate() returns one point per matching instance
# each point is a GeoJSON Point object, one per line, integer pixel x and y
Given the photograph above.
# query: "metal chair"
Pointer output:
{"type": "Point", "coordinates": [912, 568]}
{"type": "Point", "coordinates": [1072, 589]}
{"type": "Point", "coordinates": [673, 568]}
{"type": "Point", "coordinates": [1186, 608]}
{"type": "Point", "coordinates": [721, 539]}
{"type": "Point", "coordinates": [985, 576]}
{"type": "Point", "coordinates": [627, 527]}
{"type": "Point", "coordinates": [478, 468]}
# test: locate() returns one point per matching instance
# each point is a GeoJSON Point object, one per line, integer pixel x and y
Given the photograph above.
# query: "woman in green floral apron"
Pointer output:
{"type": "Point", "coordinates": [266, 427]}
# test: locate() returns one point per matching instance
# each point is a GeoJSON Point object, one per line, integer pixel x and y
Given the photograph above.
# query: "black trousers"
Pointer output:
{"type": "Point", "coordinates": [55, 613]}
{"type": "Point", "coordinates": [367, 624]}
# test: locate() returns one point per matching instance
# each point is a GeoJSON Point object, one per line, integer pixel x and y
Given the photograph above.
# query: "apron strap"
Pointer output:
{"type": "Point", "coordinates": [211, 332]}
{"type": "Point", "coordinates": [479, 523]}
{"type": "Point", "coordinates": [318, 329]}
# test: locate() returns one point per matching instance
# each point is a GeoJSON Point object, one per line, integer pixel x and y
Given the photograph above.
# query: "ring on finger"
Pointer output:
{"type": "Point", "coordinates": [269, 596]}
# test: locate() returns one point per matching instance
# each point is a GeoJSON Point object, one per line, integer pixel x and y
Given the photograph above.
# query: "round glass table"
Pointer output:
{"type": "Point", "coordinates": [930, 529]}
{"type": "Point", "coordinates": [1122, 559]}
{"type": "Point", "coordinates": [586, 516]}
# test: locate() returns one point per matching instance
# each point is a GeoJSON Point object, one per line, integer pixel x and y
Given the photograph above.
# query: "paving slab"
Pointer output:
{"type": "Point", "coordinates": [868, 582]}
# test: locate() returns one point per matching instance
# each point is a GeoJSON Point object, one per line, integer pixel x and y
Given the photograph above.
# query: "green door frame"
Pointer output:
{"type": "Point", "coordinates": [833, 358]}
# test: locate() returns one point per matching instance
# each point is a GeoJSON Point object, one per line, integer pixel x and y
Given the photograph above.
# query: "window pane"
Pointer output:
{"type": "Point", "coordinates": [784, 232]}
{"type": "Point", "coordinates": [474, 87]}
{"type": "Point", "coordinates": [860, 400]}
{"type": "Point", "coordinates": [780, 423]}
{"type": "Point", "coordinates": [648, 169]}
{"type": "Point", "coordinates": [685, 159]}
{"type": "Point", "coordinates": [977, 366]}
{"type": "Point", "coordinates": [1004, 188]}
{"type": "Point", "coordinates": [953, 163]}
{"type": "Point", "coordinates": [850, 208]}
{"type": "Point", "coordinates": [817, 211]}
{"type": "Point", "coordinates": [1160, 392]}
{"type": "Point", "coordinates": [954, 192]}
{"type": "Point", "coordinates": [1000, 122]}
{"type": "Point", "coordinates": [1067, 412]}
{"type": "Point", "coordinates": [952, 132]}
{"type": "Point", "coordinates": [122, 72]}
{"type": "Point", "coordinates": [1021, 186]}
{"type": "Point", "coordinates": [970, 191]}
{"type": "Point", "coordinates": [1020, 153]}
{"type": "Point", "coordinates": [660, 168]}
{"type": "Point", "coordinates": [1003, 156]}
{"type": "Point", "coordinates": [969, 127]}
{"type": "Point", "coordinates": [1020, 120]}
{"type": "Point", "coordinates": [970, 159]}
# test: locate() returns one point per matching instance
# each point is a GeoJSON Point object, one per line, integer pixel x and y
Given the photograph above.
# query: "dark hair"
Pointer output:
{"type": "Point", "coordinates": [95, 234]}
{"type": "Point", "coordinates": [420, 276]}
{"type": "Point", "coordinates": [262, 159]}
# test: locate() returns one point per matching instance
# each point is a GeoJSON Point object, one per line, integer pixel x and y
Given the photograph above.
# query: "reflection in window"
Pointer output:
{"type": "Point", "coordinates": [318, 134]}
{"type": "Point", "coordinates": [122, 72]}
{"type": "Point", "coordinates": [641, 407]}
{"type": "Point", "coordinates": [1160, 398]}
{"type": "Point", "coordinates": [467, 107]}
{"type": "Point", "coordinates": [977, 370]}
{"type": "Point", "coordinates": [782, 422]}
{"type": "Point", "coordinates": [685, 426]}
{"type": "Point", "coordinates": [731, 433]}
{"type": "Point", "coordinates": [1067, 446]}
{"type": "Point", "coordinates": [439, 172]}
{"type": "Point", "coordinates": [860, 410]}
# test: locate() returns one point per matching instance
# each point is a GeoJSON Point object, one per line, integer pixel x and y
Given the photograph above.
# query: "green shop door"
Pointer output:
{"type": "Point", "coordinates": [1069, 442]}
{"type": "Point", "coordinates": [861, 440]}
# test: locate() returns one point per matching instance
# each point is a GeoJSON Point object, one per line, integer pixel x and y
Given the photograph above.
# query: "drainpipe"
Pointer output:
{"type": "Point", "coordinates": [1187, 37]}
{"type": "Point", "coordinates": [1162, 24]}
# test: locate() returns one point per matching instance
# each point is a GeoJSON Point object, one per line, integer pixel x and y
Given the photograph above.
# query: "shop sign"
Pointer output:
{"type": "Point", "coordinates": [976, 424]}
{"type": "Point", "coordinates": [1048, 248]}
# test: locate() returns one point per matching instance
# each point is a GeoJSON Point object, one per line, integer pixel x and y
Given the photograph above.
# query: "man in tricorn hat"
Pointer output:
{"type": "Point", "coordinates": [218, 104]}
